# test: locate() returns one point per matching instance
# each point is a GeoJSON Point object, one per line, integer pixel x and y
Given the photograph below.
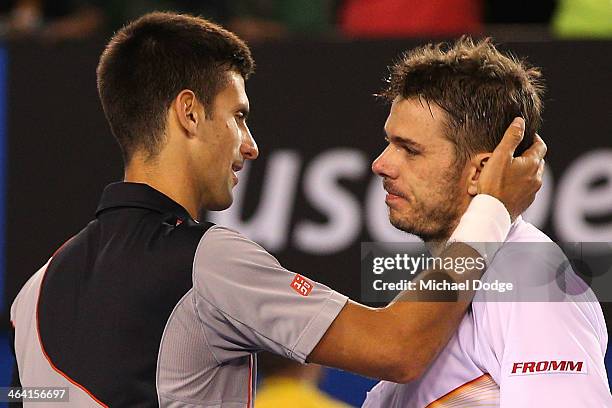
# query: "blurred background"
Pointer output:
{"type": "Point", "coordinates": [310, 198]}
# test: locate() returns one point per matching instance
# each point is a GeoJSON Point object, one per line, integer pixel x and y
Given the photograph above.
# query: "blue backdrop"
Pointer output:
{"type": "Point", "coordinates": [5, 368]}
{"type": "Point", "coordinates": [3, 166]}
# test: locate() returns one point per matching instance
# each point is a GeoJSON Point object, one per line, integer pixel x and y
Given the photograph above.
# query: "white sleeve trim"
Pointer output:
{"type": "Point", "coordinates": [318, 326]}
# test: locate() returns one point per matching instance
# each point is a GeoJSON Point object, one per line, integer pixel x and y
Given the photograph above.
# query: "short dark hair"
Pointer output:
{"type": "Point", "coordinates": [479, 88]}
{"type": "Point", "coordinates": [149, 61]}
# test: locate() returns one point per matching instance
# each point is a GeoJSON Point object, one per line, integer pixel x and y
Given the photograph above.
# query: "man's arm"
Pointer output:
{"type": "Point", "coordinates": [398, 342]}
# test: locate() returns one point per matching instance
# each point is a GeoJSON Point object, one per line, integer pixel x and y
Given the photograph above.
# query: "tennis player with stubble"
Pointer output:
{"type": "Point", "coordinates": [448, 103]}
{"type": "Point", "coordinates": [147, 306]}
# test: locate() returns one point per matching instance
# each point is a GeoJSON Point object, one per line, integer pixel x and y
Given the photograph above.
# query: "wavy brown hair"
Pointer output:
{"type": "Point", "coordinates": [480, 88]}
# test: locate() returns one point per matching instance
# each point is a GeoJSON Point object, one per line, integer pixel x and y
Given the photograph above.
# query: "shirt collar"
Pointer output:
{"type": "Point", "coordinates": [517, 221]}
{"type": "Point", "coordinates": [138, 195]}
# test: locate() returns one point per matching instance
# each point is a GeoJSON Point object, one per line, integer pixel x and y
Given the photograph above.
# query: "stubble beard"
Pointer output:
{"type": "Point", "coordinates": [432, 222]}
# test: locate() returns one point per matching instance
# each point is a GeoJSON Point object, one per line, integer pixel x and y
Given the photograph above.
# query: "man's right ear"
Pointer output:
{"type": "Point", "coordinates": [185, 106]}
{"type": "Point", "coordinates": [476, 165]}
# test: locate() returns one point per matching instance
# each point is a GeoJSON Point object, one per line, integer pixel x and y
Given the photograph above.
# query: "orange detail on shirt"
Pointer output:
{"type": "Point", "coordinates": [482, 389]}
{"type": "Point", "coordinates": [250, 395]}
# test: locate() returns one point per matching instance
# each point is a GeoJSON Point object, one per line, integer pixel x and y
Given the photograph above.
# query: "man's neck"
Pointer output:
{"type": "Point", "coordinates": [167, 180]}
{"type": "Point", "coordinates": [436, 247]}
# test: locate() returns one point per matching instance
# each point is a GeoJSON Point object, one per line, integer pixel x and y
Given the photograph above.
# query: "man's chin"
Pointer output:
{"type": "Point", "coordinates": [402, 225]}
{"type": "Point", "coordinates": [411, 228]}
{"type": "Point", "coordinates": [221, 204]}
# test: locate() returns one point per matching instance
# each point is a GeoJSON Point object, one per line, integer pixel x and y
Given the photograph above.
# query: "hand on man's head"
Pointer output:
{"type": "Point", "coordinates": [514, 180]}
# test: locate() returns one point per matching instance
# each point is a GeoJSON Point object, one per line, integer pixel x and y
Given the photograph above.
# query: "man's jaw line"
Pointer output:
{"type": "Point", "coordinates": [435, 244]}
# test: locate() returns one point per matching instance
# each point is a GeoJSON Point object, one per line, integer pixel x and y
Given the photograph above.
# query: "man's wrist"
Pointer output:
{"type": "Point", "coordinates": [484, 226]}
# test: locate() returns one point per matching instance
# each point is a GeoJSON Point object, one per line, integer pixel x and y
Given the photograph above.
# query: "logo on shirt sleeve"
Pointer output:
{"type": "Point", "coordinates": [549, 366]}
{"type": "Point", "coordinates": [301, 285]}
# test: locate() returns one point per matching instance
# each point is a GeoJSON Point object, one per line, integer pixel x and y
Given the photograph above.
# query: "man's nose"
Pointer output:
{"type": "Point", "coordinates": [381, 166]}
{"type": "Point", "coordinates": [248, 148]}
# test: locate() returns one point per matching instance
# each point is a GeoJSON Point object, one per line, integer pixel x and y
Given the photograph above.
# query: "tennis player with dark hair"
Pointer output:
{"type": "Point", "coordinates": [544, 344]}
{"type": "Point", "coordinates": [146, 306]}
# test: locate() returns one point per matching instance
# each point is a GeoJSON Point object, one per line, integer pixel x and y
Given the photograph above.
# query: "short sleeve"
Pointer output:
{"type": "Point", "coordinates": [546, 354]}
{"type": "Point", "coordinates": [248, 302]}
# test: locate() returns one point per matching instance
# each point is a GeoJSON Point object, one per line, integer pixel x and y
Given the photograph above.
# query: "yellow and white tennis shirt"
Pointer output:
{"type": "Point", "coordinates": [521, 351]}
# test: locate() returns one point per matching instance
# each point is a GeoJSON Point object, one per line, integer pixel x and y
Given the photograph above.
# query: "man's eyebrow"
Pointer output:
{"type": "Point", "coordinates": [406, 141]}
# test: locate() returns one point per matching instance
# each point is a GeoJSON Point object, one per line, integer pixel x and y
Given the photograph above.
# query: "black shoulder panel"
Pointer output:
{"type": "Point", "coordinates": [106, 297]}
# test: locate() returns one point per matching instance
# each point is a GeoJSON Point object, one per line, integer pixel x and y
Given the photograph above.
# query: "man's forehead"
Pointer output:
{"type": "Point", "coordinates": [421, 127]}
{"type": "Point", "coordinates": [234, 91]}
{"type": "Point", "coordinates": [418, 106]}
{"type": "Point", "coordinates": [414, 117]}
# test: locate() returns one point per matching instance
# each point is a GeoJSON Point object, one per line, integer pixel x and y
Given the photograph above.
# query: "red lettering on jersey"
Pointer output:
{"type": "Point", "coordinates": [301, 285]}
{"type": "Point", "coordinates": [551, 366]}
{"type": "Point", "coordinates": [574, 366]}
{"type": "Point", "coordinates": [558, 365]}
